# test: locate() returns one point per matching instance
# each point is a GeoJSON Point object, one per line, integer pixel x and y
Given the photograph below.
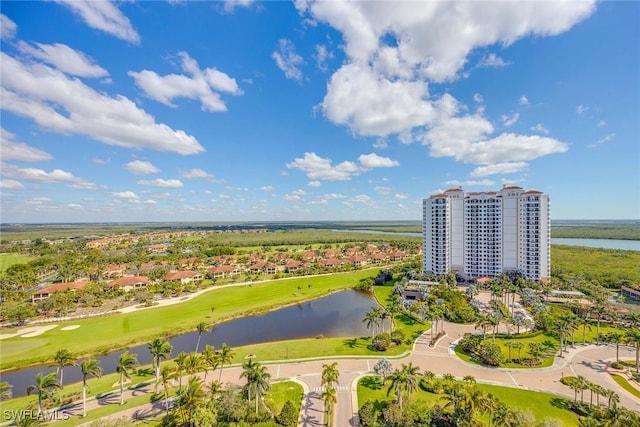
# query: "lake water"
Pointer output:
{"type": "Point", "coordinates": [336, 315]}
{"type": "Point", "coordinates": [628, 245]}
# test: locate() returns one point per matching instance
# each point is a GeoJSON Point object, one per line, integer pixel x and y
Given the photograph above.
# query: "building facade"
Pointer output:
{"type": "Point", "coordinates": [488, 233]}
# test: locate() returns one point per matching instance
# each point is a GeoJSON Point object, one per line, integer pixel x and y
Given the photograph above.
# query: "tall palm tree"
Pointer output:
{"type": "Point", "coordinates": [330, 398]}
{"type": "Point", "coordinates": [503, 415]}
{"type": "Point", "coordinates": [482, 322]}
{"type": "Point", "coordinates": [44, 386]}
{"type": "Point", "coordinates": [63, 358]}
{"type": "Point", "coordinates": [612, 397]}
{"type": "Point", "coordinates": [167, 374]}
{"type": "Point", "coordinates": [258, 379]}
{"type": "Point", "coordinates": [201, 328]}
{"type": "Point", "coordinates": [210, 358]}
{"type": "Point", "coordinates": [188, 400]}
{"type": "Point", "coordinates": [181, 367]}
{"type": "Point", "coordinates": [632, 337]}
{"type": "Point", "coordinates": [615, 337]}
{"type": "Point", "coordinates": [194, 363]}
{"type": "Point", "coordinates": [160, 349]}
{"type": "Point", "coordinates": [371, 319]}
{"type": "Point", "coordinates": [330, 374]}
{"type": "Point", "coordinates": [225, 356]}
{"type": "Point", "coordinates": [403, 378]}
{"type": "Point", "coordinates": [89, 368]}
{"type": "Point", "coordinates": [126, 365]}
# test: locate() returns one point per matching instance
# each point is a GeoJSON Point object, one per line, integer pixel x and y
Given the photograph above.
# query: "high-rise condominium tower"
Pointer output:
{"type": "Point", "coordinates": [488, 233]}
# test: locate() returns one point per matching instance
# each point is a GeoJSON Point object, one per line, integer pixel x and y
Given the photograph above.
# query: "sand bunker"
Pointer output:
{"type": "Point", "coordinates": [32, 331]}
{"type": "Point", "coordinates": [70, 328]}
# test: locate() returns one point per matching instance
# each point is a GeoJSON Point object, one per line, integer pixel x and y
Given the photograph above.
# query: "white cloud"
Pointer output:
{"type": "Point", "coordinates": [163, 183]}
{"type": "Point", "coordinates": [318, 168]}
{"type": "Point", "coordinates": [523, 100]}
{"type": "Point", "coordinates": [498, 168]}
{"type": "Point", "coordinates": [128, 195]}
{"type": "Point", "coordinates": [361, 198]}
{"type": "Point", "coordinates": [150, 202]}
{"type": "Point", "coordinates": [380, 144]}
{"type": "Point", "coordinates": [231, 5]}
{"type": "Point", "coordinates": [580, 109]}
{"type": "Point", "coordinates": [493, 60]}
{"type": "Point", "coordinates": [56, 176]}
{"type": "Point", "coordinates": [321, 56]}
{"type": "Point", "coordinates": [65, 105]}
{"type": "Point", "coordinates": [370, 161]}
{"type": "Point", "coordinates": [400, 196]}
{"type": "Point", "coordinates": [470, 183]}
{"type": "Point", "coordinates": [478, 98]}
{"type": "Point", "coordinates": [64, 58]}
{"type": "Point", "coordinates": [293, 197]}
{"type": "Point", "coordinates": [605, 139]}
{"type": "Point", "coordinates": [195, 173]}
{"type": "Point", "coordinates": [138, 167]}
{"type": "Point", "coordinates": [319, 202]}
{"type": "Point", "coordinates": [104, 16]}
{"type": "Point", "coordinates": [540, 129]}
{"type": "Point", "coordinates": [12, 150]}
{"type": "Point", "coordinates": [266, 188]}
{"type": "Point", "coordinates": [288, 60]}
{"type": "Point", "coordinates": [8, 28]}
{"type": "Point", "coordinates": [224, 196]}
{"type": "Point", "coordinates": [334, 196]}
{"type": "Point", "coordinates": [602, 123]}
{"type": "Point", "coordinates": [11, 184]}
{"type": "Point", "coordinates": [508, 121]}
{"type": "Point", "coordinates": [202, 85]}
{"type": "Point", "coordinates": [314, 184]}
{"type": "Point", "coordinates": [74, 206]}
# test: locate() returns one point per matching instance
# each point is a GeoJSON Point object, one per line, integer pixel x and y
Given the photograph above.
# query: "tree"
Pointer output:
{"type": "Point", "coordinates": [403, 378]}
{"type": "Point", "coordinates": [44, 386]}
{"type": "Point", "coordinates": [201, 328]}
{"type": "Point", "coordinates": [5, 391]}
{"type": "Point", "coordinates": [181, 366]}
{"type": "Point", "coordinates": [632, 337]}
{"type": "Point", "coordinates": [371, 320]}
{"type": "Point", "coordinates": [615, 337]}
{"type": "Point", "coordinates": [383, 368]}
{"type": "Point", "coordinates": [330, 374]}
{"type": "Point", "coordinates": [330, 398]}
{"type": "Point", "coordinates": [167, 374]}
{"type": "Point", "coordinates": [194, 363]}
{"type": "Point", "coordinates": [289, 414]}
{"type": "Point", "coordinates": [63, 358]}
{"type": "Point", "coordinates": [225, 355]}
{"type": "Point", "coordinates": [482, 322]}
{"type": "Point", "coordinates": [188, 400]}
{"type": "Point", "coordinates": [160, 349]}
{"type": "Point", "coordinates": [209, 356]}
{"type": "Point", "coordinates": [126, 365]}
{"type": "Point", "coordinates": [258, 379]}
{"type": "Point", "coordinates": [89, 368]}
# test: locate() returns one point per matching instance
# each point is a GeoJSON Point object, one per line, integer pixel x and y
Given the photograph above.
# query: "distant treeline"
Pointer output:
{"type": "Point", "coordinates": [607, 267]}
{"type": "Point", "coordinates": [601, 231]}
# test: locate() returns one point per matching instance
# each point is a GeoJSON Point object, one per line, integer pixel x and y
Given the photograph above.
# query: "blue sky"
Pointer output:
{"type": "Point", "coordinates": [281, 111]}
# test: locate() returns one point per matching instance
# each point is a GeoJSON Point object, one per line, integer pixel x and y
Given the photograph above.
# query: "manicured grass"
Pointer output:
{"type": "Point", "coordinates": [622, 382]}
{"type": "Point", "coordinates": [286, 390]}
{"type": "Point", "coordinates": [104, 334]}
{"type": "Point", "coordinates": [542, 405]}
{"type": "Point", "coordinates": [9, 259]}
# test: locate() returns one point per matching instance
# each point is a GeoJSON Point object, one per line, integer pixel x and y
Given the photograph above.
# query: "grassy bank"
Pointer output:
{"type": "Point", "coordinates": [105, 334]}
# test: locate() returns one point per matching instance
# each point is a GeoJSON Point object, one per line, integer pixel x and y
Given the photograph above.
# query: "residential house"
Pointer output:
{"type": "Point", "coordinates": [46, 292]}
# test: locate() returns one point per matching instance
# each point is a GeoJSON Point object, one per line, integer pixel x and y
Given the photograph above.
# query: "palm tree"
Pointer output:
{"type": "Point", "coordinates": [63, 358]}
{"type": "Point", "coordinates": [181, 366]}
{"type": "Point", "coordinates": [44, 386]}
{"type": "Point", "coordinates": [188, 400]}
{"type": "Point", "coordinates": [89, 368]}
{"type": "Point", "coordinates": [160, 349]}
{"type": "Point", "coordinates": [200, 329]}
{"type": "Point", "coordinates": [5, 391]}
{"type": "Point", "coordinates": [126, 365]}
{"type": "Point", "coordinates": [494, 321]}
{"type": "Point", "coordinates": [403, 378]}
{"type": "Point", "coordinates": [615, 337]}
{"type": "Point", "coordinates": [330, 374]}
{"type": "Point", "coordinates": [371, 319]}
{"type": "Point", "coordinates": [258, 379]}
{"type": "Point", "coordinates": [503, 415]}
{"type": "Point", "coordinates": [612, 397]}
{"type": "Point", "coordinates": [469, 379]}
{"type": "Point", "coordinates": [209, 355]}
{"type": "Point", "coordinates": [518, 346]}
{"type": "Point", "coordinates": [632, 337]}
{"type": "Point", "coordinates": [194, 363]}
{"type": "Point", "coordinates": [482, 322]}
{"type": "Point", "coordinates": [225, 355]}
{"type": "Point", "coordinates": [167, 374]}
{"type": "Point", "coordinates": [330, 398]}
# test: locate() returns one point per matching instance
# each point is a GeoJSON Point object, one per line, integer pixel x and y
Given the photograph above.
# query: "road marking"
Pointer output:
{"type": "Point", "coordinates": [338, 388]}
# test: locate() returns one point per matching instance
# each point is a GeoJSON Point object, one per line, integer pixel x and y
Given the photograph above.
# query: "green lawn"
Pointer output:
{"type": "Point", "coordinates": [622, 382]}
{"type": "Point", "coordinates": [9, 259]}
{"type": "Point", "coordinates": [105, 334]}
{"type": "Point", "coordinates": [542, 405]}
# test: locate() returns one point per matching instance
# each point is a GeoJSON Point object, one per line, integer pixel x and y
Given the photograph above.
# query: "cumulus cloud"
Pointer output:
{"type": "Point", "coordinates": [11, 184]}
{"type": "Point", "coordinates": [493, 60]}
{"type": "Point", "coordinates": [230, 5]}
{"type": "Point", "coordinates": [321, 169]}
{"type": "Point", "coordinates": [322, 55]}
{"type": "Point", "coordinates": [380, 144]}
{"type": "Point", "coordinates": [540, 129]}
{"type": "Point", "coordinates": [470, 183]}
{"type": "Point", "coordinates": [64, 58]}
{"type": "Point", "coordinates": [162, 183]}
{"type": "Point", "coordinates": [41, 176]}
{"type": "Point", "coordinates": [202, 85]}
{"type": "Point", "coordinates": [288, 60]}
{"type": "Point", "coordinates": [478, 98]}
{"type": "Point", "coordinates": [523, 100]}
{"type": "Point", "coordinates": [127, 195]}
{"type": "Point", "coordinates": [498, 168]}
{"type": "Point", "coordinates": [104, 16]}
{"type": "Point", "coordinates": [394, 50]}
{"type": "Point", "coordinates": [8, 28]}
{"type": "Point", "coordinates": [314, 184]}
{"type": "Point", "coordinates": [602, 123]}
{"type": "Point", "coordinates": [12, 150]}
{"type": "Point", "coordinates": [266, 188]}
{"type": "Point", "coordinates": [139, 167]}
{"type": "Point", "coordinates": [508, 121]}
{"type": "Point", "coordinates": [64, 104]}
{"type": "Point", "coordinates": [581, 109]}
{"type": "Point", "coordinates": [370, 161]}
{"type": "Point", "coordinates": [195, 173]}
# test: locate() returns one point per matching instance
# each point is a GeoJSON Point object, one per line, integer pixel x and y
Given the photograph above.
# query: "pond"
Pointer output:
{"type": "Point", "coordinates": [337, 315]}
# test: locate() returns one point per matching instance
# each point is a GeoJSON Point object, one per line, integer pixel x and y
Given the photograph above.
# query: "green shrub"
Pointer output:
{"type": "Point", "coordinates": [382, 341]}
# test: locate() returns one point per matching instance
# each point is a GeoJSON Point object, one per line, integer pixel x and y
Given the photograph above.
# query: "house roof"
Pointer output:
{"type": "Point", "coordinates": [62, 287]}
{"type": "Point", "coordinates": [177, 275]}
{"type": "Point", "coordinates": [129, 280]}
